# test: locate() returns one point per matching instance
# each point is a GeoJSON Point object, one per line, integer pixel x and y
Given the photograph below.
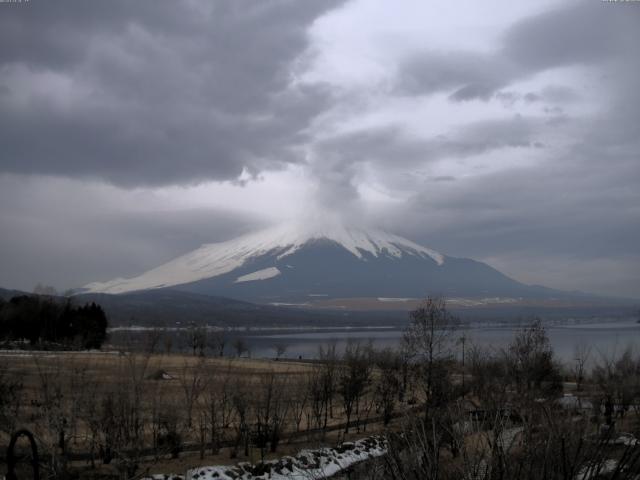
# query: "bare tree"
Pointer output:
{"type": "Point", "coordinates": [123, 414]}
{"type": "Point", "coordinates": [168, 426]}
{"type": "Point", "coordinates": [298, 398]}
{"type": "Point", "coordinates": [89, 412]}
{"type": "Point", "coordinates": [240, 346]}
{"type": "Point", "coordinates": [269, 411]}
{"type": "Point", "coordinates": [241, 404]}
{"type": "Point", "coordinates": [280, 349]}
{"type": "Point", "coordinates": [153, 337]}
{"type": "Point", "coordinates": [531, 363]}
{"type": "Point", "coordinates": [315, 384]}
{"type": "Point", "coordinates": [53, 416]}
{"type": "Point", "coordinates": [192, 382]}
{"type": "Point", "coordinates": [78, 385]}
{"type": "Point", "coordinates": [328, 378]}
{"type": "Point", "coordinates": [11, 398]}
{"type": "Point", "coordinates": [217, 341]}
{"type": "Point", "coordinates": [489, 372]}
{"type": "Point", "coordinates": [387, 382]}
{"type": "Point", "coordinates": [168, 343]}
{"type": "Point", "coordinates": [581, 354]}
{"type": "Point", "coordinates": [428, 341]}
{"type": "Point", "coordinates": [354, 375]}
{"type": "Point", "coordinates": [197, 337]}
{"type": "Point", "coordinates": [218, 406]}
{"type": "Point", "coordinates": [541, 445]}
{"type": "Point", "coordinates": [618, 379]}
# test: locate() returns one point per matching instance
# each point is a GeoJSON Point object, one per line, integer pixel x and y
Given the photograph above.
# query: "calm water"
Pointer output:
{"type": "Point", "coordinates": [605, 338]}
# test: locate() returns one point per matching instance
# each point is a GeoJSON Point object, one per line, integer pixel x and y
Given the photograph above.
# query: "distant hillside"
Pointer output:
{"type": "Point", "coordinates": [6, 294]}
{"type": "Point", "coordinates": [165, 307]}
{"type": "Point", "coordinates": [170, 307]}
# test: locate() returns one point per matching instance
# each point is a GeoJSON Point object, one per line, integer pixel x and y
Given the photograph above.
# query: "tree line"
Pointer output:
{"type": "Point", "coordinates": [50, 322]}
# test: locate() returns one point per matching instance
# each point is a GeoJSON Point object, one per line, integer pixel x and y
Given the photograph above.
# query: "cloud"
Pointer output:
{"type": "Point", "coordinates": [65, 232]}
{"type": "Point", "coordinates": [519, 147]}
{"type": "Point", "coordinates": [348, 160]}
{"type": "Point", "coordinates": [470, 74]}
{"type": "Point", "coordinates": [550, 175]}
{"type": "Point", "coordinates": [575, 34]}
{"type": "Point", "coordinates": [155, 92]}
{"type": "Point", "coordinates": [576, 212]}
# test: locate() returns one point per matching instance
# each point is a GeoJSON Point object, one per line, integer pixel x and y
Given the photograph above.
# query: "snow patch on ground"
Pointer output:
{"type": "Point", "coordinates": [317, 464]}
{"type": "Point", "coordinates": [508, 436]}
{"type": "Point", "coordinates": [593, 472]}
{"type": "Point", "coordinates": [263, 274]}
{"type": "Point", "coordinates": [571, 402]}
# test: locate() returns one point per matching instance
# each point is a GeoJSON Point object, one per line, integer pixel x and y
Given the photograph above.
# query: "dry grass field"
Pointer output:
{"type": "Point", "coordinates": [125, 413]}
{"type": "Point", "coordinates": [166, 413]}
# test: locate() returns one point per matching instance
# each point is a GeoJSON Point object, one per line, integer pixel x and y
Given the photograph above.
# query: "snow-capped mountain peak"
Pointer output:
{"type": "Point", "coordinates": [358, 242]}
{"type": "Point", "coordinates": [215, 259]}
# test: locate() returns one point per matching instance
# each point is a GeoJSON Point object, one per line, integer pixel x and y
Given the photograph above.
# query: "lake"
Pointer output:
{"type": "Point", "coordinates": [605, 337]}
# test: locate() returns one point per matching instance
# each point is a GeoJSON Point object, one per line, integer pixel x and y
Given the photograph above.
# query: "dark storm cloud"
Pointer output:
{"type": "Point", "coordinates": [581, 33]}
{"type": "Point", "coordinates": [575, 213]}
{"type": "Point", "coordinates": [60, 233]}
{"type": "Point", "coordinates": [587, 216]}
{"type": "Point", "coordinates": [564, 213]}
{"type": "Point", "coordinates": [576, 210]}
{"type": "Point", "coordinates": [154, 92]}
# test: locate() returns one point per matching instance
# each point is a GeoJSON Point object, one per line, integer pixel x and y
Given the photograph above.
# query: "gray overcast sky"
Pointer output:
{"type": "Point", "coordinates": [504, 131]}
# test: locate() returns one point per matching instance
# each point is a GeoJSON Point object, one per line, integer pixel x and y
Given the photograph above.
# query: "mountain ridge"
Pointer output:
{"type": "Point", "coordinates": [215, 259]}
{"type": "Point", "coordinates": [295, 264]}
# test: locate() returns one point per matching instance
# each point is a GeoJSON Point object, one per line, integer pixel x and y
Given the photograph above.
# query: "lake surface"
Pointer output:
{"type": "Point", "coordinates": [604, 337]}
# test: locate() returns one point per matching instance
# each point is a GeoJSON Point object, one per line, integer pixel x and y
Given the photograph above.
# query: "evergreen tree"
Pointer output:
{"type": "Point", "coordinates": [40, 319]}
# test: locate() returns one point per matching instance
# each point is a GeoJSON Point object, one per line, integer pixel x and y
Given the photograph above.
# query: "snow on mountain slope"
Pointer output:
{"type": "Point", "coordinates": [212, 260]}
{"type": "Point", "coordinates": [263, 274]}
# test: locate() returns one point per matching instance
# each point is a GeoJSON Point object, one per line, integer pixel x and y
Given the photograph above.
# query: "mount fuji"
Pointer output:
{"type": "Point", "coordinates": [303, 264]}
